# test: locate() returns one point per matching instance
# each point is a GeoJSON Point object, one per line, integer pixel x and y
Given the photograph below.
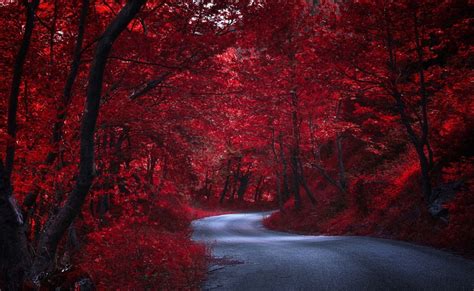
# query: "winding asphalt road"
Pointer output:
{"type": "Point", "coordinates": [260, 259]}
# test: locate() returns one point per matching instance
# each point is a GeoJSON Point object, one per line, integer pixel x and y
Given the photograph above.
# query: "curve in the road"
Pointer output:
{"type": "Point", "coordinates": [280, 261]}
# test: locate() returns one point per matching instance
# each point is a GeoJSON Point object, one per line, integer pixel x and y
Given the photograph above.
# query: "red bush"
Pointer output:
{"type": "Point", "coordinates": [141, 256]}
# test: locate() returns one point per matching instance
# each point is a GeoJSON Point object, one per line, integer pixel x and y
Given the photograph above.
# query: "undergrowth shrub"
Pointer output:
{"type": "Point", "coordinates": [142, 256]}
{"type": "Point", "coordinates": [149, 248]}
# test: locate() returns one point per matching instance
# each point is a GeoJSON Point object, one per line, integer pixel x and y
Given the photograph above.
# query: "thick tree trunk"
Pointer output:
{"type": "Point", "coordinates": [14, 254]}
{"type": "Point", "coordinates": [57, 225]}
{"type": "Point", "coordinates": [15, 86]}
{"type": "Point", "coordinates": [244, 183]}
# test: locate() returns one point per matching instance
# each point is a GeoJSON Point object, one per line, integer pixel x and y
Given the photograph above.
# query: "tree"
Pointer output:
{"type": "Point", "coordinates": [14, 255]}
{"type": "Point", "coordinates": [58, 224]}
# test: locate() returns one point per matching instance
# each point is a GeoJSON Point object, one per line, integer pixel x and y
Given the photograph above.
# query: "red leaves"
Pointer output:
{"type": "Point", "coordinates": [141, 256]}
{"type": "Point", "coordinates": [224, 81]}
{"type": "Point", "coordinates": [141, 252]}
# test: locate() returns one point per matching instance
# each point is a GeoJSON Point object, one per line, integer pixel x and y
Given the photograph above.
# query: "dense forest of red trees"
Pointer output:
{"type": "Point", "coordinates": [119, 118]}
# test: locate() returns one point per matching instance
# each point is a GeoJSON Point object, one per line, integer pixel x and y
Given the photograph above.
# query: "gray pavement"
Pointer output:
{"type": "Point", "coordinates": [261, 259]}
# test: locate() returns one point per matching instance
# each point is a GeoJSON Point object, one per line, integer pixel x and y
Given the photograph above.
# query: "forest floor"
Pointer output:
{"type": "Point", "coordinates": [250, 257]}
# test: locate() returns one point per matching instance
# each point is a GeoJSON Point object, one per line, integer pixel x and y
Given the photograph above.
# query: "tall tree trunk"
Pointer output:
{"type": "Point", "coordinates": [58, 224]}
{"type": "Point", "coordinates": [303, 183]}
{"type": "Point", "coordinates": [317, 162]}
{"type": "Point", "coordinates": [340, 162]}
{"type": "Point", "coordinates": [285, 191]}
{"type": "Point", "coordinates": [340, 156]}
{"type": "Point", "coordinates": [234, 189]}
{"type": "Point", "coordinates": [14, 254]}
{"type": "Point", "coordinates": [236, 179]}
{"type": "Point", "coordinates": [426, 161]}
{"type": "Point", "coordinates": [296, 181]}
{"type": "Point", "coordinates": [279, 192]}
{"type": "Point", "coordinates": [295, 151]}
{"type": "Point", "coordinates": [244, 183]}
{"type": "Point", "coordinates": [258, 189]}
{"type": "Point", "coordinates": [15, 86]}
{"type": "Point", "coordinates": [226, 183]}
{"type": "Point", "coordinates": [67, 92]}
{"type": "Point", "coordinates": [57, 131]}
{"type": "Point", "coordinates": [163, 174]}
{"type": "Point", "coordinates": [278, 172]}
{"type": "Point", "coordinates": [151, 165]}
{"type": "Point", "coordinates": [419, 142]}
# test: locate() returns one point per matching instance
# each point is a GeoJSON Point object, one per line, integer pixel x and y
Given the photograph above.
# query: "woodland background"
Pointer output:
{"type": "Point", "coordinates": [121, 121]}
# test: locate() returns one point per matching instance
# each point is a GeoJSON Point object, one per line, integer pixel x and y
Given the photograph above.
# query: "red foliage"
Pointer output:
{"type": "Point", "coordinates": [142, 256]}
{"type": "Point", "coordinates": [148, 249]}
{"type": "Point", "coordinates": [334, 113]}
{"type": "Point", "coordinates": [389, 211]}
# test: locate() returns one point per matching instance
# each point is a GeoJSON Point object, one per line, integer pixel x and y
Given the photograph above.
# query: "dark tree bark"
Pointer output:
{"type": "Point", "coordinates": [296, 181]}
{"type": "Point", "coordinates": [226, 183]}
{"type": "Point", "coordinates": [340, 163]}
{"type": "Point", "coordinates": [278, 172]}
{"type": "Point", "coordinates": [14, 254]}
{"type": "Point", "coordinates": [207, 186]}
{"type": "Point", "coordinates": [58, 224]}
{"type": "Point", "coordinates": [15, 87]}
{"type": "Point", "coordinates": [426, 160]}
{"type": "Point", "coordinates": [420, 141]}
{"type": "Point", "coordinates": [67, 92]}
{"type": "Point", "coordinates": [163, 174]}
{"type": "Point", "coordinates": [295, 151]}
{"type": "Point", "coordinates": [340, 153]}
{"type": "Point", "coordinates": [303, 183]}
{"type": "Point", "coordinates": [234, 189]}
{"type": "Point", "coordinates": [258, 189]}
{"type": "Point", "coordinates": [150, 168]}
{"type": "Point", "coordinates": [285, 187]}
{"type": "Point", "coordinates": [57, 131]}
{"type": "Point", "coordinates": [317, 162]}
{"type": "Point", "coordinates": [243, 185]}
{"type": "Point", "coordinates": [236, 179]}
